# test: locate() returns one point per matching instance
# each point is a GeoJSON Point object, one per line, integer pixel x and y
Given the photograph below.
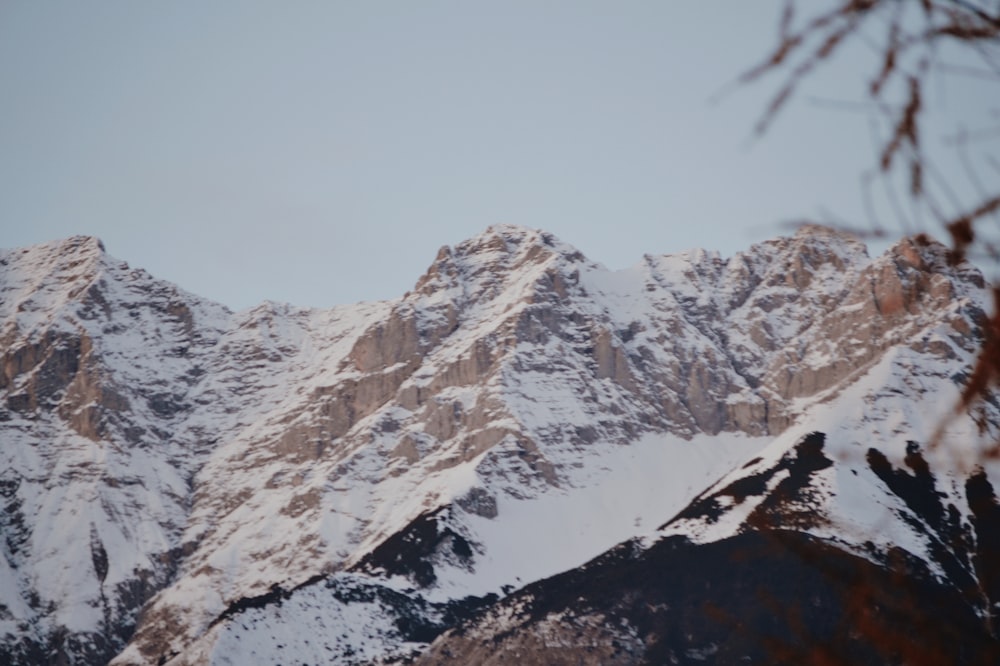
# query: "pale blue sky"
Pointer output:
{"type": "Point", "coordinates": [321, 152]}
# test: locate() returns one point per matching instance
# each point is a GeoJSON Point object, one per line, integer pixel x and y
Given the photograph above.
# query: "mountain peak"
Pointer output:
{"type": "Point", "coordinates": [185, 484]}
{"type": "Point", "coordinates": [83, 243]}
{"type": "Point", "coordinates": [813, 230]}
{"type": "Point", "coordinates": [513, 240]}
{"type": "Point", "coordinates": [500, 250]}
{"type": "Point", "coordinates": [73, 253]}
{"type": "Point", "coordinates": [512, 231]}
{"type": "Point", "coordinates": [76, 247]}
{"type": "Point", "coordinates": [35, 279]}
{"type": "Point", "coordinates": [840, 242]}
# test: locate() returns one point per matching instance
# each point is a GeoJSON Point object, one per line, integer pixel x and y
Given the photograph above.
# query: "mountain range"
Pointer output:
{"type": "Point", "coordinates": [527, 458]}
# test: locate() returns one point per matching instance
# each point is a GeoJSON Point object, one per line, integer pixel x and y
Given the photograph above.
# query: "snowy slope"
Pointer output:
{"type": "Point", "coordinates": [848, 544]}
{"type": "Point", "coordinates": [99, 363]}
{"type": "Point", "coordinates": [375, 472]}
{"type": "Point", "coordinates": [880, 467]}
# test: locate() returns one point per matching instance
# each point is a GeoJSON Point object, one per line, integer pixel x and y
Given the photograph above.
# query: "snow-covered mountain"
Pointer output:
{"type": "Point", "coordinates": [431, 477]}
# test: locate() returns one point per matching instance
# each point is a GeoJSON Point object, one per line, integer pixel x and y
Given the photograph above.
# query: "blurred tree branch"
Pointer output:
{"type": "Point", "coordinates": [907, 39]}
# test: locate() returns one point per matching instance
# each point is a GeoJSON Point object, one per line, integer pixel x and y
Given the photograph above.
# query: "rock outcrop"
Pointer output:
{"type": "Point", "coordinates": [174, 471]}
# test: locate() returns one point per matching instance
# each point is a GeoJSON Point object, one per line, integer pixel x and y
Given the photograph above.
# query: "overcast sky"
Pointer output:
{"type": "Point", "coordinates": [321, 152]}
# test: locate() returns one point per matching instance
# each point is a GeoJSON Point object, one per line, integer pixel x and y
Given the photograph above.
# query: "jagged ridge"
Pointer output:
{"type": "Point", "coordinates": [218, 456]}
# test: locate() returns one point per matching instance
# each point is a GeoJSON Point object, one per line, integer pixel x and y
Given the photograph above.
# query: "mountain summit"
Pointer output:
{"type": "Point", "coordinates": [527, 454]}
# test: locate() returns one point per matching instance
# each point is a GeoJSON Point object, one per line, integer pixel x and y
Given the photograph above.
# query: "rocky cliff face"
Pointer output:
{"type": "Point", "coordinates": [185, 484]}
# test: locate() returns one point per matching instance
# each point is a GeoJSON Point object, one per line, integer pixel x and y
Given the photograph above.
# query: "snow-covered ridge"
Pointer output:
{"type": "Point", "coordinates": [193, 458]}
